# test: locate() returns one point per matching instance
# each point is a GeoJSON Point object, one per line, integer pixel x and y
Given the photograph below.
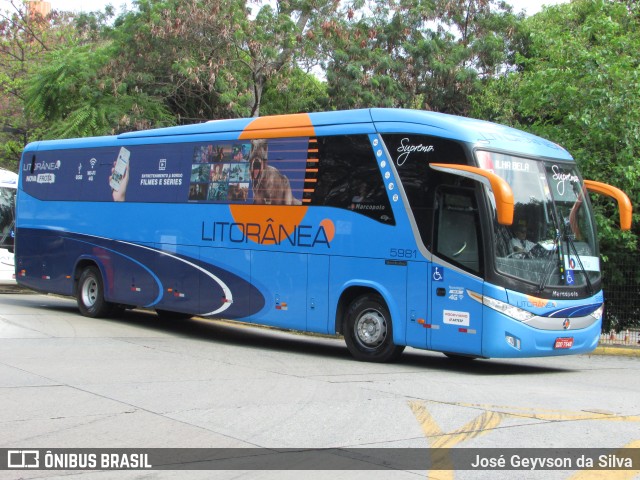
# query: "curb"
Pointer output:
{"type": "Point", "coordinates": [619, 351]}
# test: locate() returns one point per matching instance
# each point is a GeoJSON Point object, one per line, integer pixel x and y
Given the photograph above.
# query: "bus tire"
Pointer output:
{"type": "Point", "coordinates": [368, 330]}
{"type": "Point", "coordinates": [90, 294]}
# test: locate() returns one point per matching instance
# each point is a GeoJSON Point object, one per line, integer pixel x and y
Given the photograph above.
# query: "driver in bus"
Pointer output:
{"type": "Point", "coordinates": [520, 244]}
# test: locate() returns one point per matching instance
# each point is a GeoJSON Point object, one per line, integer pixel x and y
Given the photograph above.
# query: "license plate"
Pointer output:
{"type": "Point", "coordinates": [565, 342]}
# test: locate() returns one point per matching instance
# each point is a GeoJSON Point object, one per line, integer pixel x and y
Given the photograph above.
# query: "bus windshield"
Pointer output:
{"type": "Point", "coordinates": [552, 240]}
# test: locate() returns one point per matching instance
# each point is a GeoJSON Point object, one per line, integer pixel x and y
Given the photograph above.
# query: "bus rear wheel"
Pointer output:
{"type": "Point", "coordinates": [90, 294]}
{"type": "Point", "coordinates": [368, 331]}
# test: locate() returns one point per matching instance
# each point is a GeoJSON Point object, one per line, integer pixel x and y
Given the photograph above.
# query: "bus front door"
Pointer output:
{"type": "Point", "coordinates": [456, 318]}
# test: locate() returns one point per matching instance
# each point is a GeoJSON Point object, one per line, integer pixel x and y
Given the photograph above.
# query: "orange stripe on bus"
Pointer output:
{"type": "Point", "coordinates": [294, 125]}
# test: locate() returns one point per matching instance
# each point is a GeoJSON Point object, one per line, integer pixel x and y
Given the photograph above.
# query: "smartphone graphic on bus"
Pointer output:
{"type": "Point", "coordinates": [122, 163]}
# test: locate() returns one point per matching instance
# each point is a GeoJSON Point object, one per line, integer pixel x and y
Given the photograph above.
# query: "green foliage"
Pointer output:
{"type": "Point", "coordinates": [425, 54]}
{"type": "Point", "coordinates": [10, 150]}
{"type": "Point", "coordinates": [23, 42]}
{"type": "Point", "coordinates": [577, 82]}
{"type": "Point", "coordinates": [294, 93]}
{"type": "Point", "coordinates": [209, 59]}
{"type": "Point", "coordinates": [76, 95]}
{"type": "Point", "coordinates": [26, 42]}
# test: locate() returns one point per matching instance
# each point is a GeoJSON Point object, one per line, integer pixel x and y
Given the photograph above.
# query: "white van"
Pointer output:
{"type": "Point", "coordinates": [8, 188]}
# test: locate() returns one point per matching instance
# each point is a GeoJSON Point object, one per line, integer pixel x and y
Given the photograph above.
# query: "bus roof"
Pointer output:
{"type": "Point", "coordinates": [479, 133]}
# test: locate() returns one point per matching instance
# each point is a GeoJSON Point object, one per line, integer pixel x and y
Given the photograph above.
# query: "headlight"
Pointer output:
{"type": "Point", "coordinates": [509, 310]}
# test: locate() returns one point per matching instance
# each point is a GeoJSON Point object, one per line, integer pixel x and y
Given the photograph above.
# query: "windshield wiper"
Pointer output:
{"type": "Point", "coordinates": [550, 265]}
{"type": "Point", "coordinates": [572, 247]}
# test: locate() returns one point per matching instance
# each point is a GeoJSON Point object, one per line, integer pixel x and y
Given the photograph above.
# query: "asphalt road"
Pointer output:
{"type": "Point", "coordinates": [67, 381]}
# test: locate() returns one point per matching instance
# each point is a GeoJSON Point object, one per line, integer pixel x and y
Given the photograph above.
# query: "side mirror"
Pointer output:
{"type": "Point", "coordinates": [624, 204]}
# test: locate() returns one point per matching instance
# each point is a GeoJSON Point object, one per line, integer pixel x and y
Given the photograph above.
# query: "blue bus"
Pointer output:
{"type": "Point", "coordinates": [391, 227]}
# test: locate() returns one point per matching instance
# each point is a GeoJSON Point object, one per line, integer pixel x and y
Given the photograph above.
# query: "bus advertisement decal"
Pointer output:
{"type": "Point", "coordinates": [451, 317]}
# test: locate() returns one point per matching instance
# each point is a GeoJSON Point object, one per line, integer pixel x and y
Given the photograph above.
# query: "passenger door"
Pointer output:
{"type": "Point", "coordinates": [456, 318]}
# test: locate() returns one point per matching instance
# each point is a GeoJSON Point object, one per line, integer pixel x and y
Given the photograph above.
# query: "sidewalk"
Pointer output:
{"type": "Point", "coordinates": [625, 343]}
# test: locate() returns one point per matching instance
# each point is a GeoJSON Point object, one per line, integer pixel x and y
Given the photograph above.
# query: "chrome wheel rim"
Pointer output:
{"type": "Point", "coordinates": [371, 328]}
{"type": "Point", "coordinates": [90, 292]}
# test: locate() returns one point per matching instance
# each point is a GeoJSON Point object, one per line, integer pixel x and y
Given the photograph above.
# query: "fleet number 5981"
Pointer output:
{"type": "Point", "coordinates": [403, 253]}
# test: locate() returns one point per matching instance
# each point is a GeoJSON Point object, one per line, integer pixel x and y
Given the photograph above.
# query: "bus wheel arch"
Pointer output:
{"type": "Point", "coordinates": [89, 291]}
{"type": "Point", "coordinates": [365, 321]}
{"type": "Point", "coordinates": [346, 298]}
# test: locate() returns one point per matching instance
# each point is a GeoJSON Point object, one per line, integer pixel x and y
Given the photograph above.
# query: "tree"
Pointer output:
{"type": "Point", "coordinates": [577, 84]}
{"type": "Point", "coordinates": [421, 53]}
{"type": "Point", "coordinates": [211, 59]}
{"type": "Point", "coordinates": [293, 92]}
{"type": "Point", "coordinates": [27, 40]}
{"type": "Point", "coordinates": [170, 61]}
{"type": "Point", "coordinates": [78, 94]}
{"type": "Point", "coordinates": [576, 81]}
{"type": "Point", "coordinates": [24, 39]}
{"type": "Point", "coordinates": [175, 50]}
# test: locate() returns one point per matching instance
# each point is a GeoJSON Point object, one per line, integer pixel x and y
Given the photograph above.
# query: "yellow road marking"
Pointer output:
{"type": "Point", "coordinates": [441, 440]}
{"type": "Point", "coordinates": [552, 414]}
{"type": "Point", "coordinates": [491, 419]}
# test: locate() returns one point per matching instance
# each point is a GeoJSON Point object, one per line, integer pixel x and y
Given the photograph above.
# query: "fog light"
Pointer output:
{"type": "Point", "coordinates": [598, 313]}
{"type": "Point", "coordinates": [512, 341]}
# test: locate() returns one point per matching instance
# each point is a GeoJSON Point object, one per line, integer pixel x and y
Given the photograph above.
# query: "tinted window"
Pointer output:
{"type": "Point", "coordinates": [411, 155]}
{"type": "Point", "coordinates": [348, 177]}
{"type": "Point", "coordinates": [457, 230]}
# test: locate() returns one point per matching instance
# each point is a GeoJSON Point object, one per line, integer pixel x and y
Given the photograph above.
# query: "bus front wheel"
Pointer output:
{"type": "Point", "coordinates": [368, 330]}
{"type": "Point", "coordinates": [90, 294]}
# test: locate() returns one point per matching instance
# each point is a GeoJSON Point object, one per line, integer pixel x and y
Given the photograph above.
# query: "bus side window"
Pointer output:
{"type": "Point", "coordinates": [349, 178]}
{"type": "Point", "coordinates": [457, 229]}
